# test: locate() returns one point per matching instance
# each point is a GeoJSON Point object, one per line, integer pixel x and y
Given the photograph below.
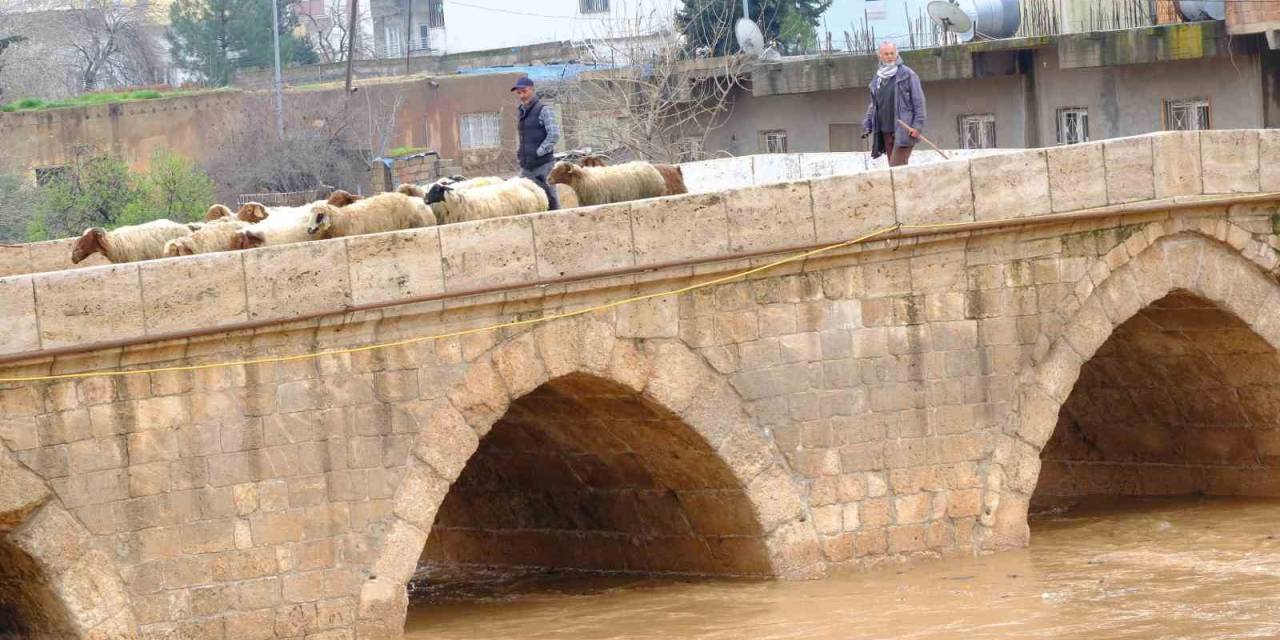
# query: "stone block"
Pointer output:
{"type": "Point", "coordinates": [934, 193]}
{"type": "Point", "coordinates": [297, 280]}
{"type": "Point", "coordinates": [652, 318]}
{"type": "Point", "coordinates": [55, 255]}
{"type": "Point", "coordinates": [848, 207]}
{"type": "Point", "coordinates": [1077, 177]}
{"type": "Point", "coordinates": [89, 305]}
{"type": "Point", "coordinates": [488, 253]}
{"type": "Point", "coordinates": [18, 308]}
{"type": "Point", "coordinates": [14, 260]}
{"type": "Point", "coordinates": [678, 228]}
{"type": "Point", "coordinates": [1177, 163]}
{"type": "Point", "coordinates": [203, 291]}
{"type": "Point", "coordinates": [774, 217]}
{"type": "Point", "coordinates": [1010, 185]}
{"type": "Point", "coordinates": [420, 495]}
{"type": "Point", "coordinates": [1230, 160]}
{"type": "Point", "coordinates": [395, 266]}
{"type": "Point", "coordinates": [584, 240]}
{"type": "Point", "coordinates": [1269, 160]}
{"type": "Point", "coordinates": [1130, 169]}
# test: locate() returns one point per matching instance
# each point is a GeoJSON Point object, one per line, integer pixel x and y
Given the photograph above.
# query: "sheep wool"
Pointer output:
{"type": "Point", "coordinates": [605, 185]}
{"type": "Point", "coordinates": [216, 236]}
{"type": "Point", "coordinates": [272, 226]}
{"type": "Point", "coordinates": [130, 243]}
{"type": "Point", "coordinates": [391, 211]}
{"type": "Point", "coordinates": [507, 198]}
{"type": "Point", "coordinates": [673, 177]}
{"type": "Point", "coordinates": [568, 198]}
{"type": "Point", "coordinates": [217, 212]}
{"type": "Point", "coordinates": [439, 202]}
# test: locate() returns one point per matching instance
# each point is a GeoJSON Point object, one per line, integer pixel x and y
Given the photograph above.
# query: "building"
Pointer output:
{"type": "Point", "coordinates": [1022, 92]}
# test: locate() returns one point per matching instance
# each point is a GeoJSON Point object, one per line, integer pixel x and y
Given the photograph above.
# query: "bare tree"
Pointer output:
{"type": "Point", "coordinates": [331, 34]}
{"type": "Point", "coordinates": [655, 99]}
{"type": "Point", "coordinates": [113, 44]}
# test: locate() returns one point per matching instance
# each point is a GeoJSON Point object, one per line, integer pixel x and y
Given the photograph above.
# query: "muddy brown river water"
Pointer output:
{"type": "Point", "coordinates": [1185, 568]}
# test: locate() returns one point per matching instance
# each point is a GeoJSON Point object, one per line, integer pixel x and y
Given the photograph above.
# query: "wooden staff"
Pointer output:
{"type": "Point", "coordinates": [926, 140]}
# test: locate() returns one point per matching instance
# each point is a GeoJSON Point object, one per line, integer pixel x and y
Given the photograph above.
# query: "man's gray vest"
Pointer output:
{"type": "Point", "coordinates": [532, 135]}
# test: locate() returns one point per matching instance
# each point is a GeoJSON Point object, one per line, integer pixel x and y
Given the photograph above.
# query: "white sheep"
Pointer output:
{"type": "Point", "coordinates": [219, 235]}
{"type": "Point", "coordinates": [567, 196]}
{"type": "Point", "coordinates": [605, 185]}
{"type": "Point", "coordinates": [507, 198]}
{"type": "Point", "coordinates": [130, 243]}
{"type": "Point", "coordinates": [272, 225]}
{"type": "Point", "coordinates": [384, 212]}
{"type": "Point", "coordinates": [435, 195]}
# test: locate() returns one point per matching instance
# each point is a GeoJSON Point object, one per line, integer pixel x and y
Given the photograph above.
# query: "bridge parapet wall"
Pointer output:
{"type": "Point", "coordinates": [109, 305]}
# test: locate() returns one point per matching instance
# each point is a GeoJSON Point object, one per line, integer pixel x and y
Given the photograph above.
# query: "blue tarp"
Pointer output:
{"type": "Point", "coordinates": [539, 72]}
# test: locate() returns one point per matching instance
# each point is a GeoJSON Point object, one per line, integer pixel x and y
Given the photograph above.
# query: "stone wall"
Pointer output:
{"type": "Point", "coordinates": [883, 401]}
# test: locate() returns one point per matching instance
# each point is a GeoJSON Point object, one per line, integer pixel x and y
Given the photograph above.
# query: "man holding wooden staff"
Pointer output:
{"type": "Point", "coordinates": [896, 113]}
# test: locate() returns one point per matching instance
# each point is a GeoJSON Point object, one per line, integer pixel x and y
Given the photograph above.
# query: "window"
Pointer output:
{"type": "Point", "coordinates": [593, 6]}
{"type": "Point", "coordinates": [1073, 125]}
{"type": "Point", "coordinates": [435, 14]}
{"type": "Point", "coordinates": [394, 40]}
{"type": "Point", "coordinates": [978, 131]}
{"type": "Point", "coordinates": [481, 130]}
{"type": "Point", "coordinates": [773, 141]}
{"type": "Point", "coordinates": [48, 175]}
{"type": "Point", "coordinates": [1186, 115]}
{"type": "Point", "coordinates": [424, 38]}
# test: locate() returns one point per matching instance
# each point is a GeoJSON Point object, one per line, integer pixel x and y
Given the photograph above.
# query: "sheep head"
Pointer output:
{"type": "Point", "coordinates": [320, 220]}
{"type": "Point", "coordinates": [563, 173]}
{"type": "Point", "coordinates": [252, 212]}
{"type": "Point", "coordinates": [436, 192]}
{"type": "Point", "coordinates": [178, 247]}
{"type": "Point", "coordinates": [342, 198]}
{"type": "Point", "coordinates": [411, 190]}
{"type": "Point", "coordinates": [595, 161]}
{"type": "Point", "coordinates": [93, 241]}
{"type": "Point", "coordinates": [217, 212]}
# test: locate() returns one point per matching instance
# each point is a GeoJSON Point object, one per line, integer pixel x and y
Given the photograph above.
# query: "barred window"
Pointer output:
{"type": "Point", "coordinates": [1073, 125]}
{"type": "Point", "coordinates": [481, 130]}
{"type": "Point", "coordinates": [774, 141]}
{"type": "Point", "coordinates": [978, 131]}
{"type": "Point", "coordinates": [1186, 115]}
{"type": "Point", "coordinates": [593, 6]}
{"type": "Point", "coordinates": [435, 13]}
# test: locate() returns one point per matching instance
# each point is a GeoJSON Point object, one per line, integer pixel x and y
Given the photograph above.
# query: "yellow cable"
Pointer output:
{"type": "Point", "coordinates": [455, 334]}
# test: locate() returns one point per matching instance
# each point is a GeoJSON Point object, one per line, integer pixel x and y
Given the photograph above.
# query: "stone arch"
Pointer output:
{"type": "Point", "coordinates": [53, 582]}
{"type": "Point", "coordinates": [1211, 260]}
{"type": "Point", "coordinates": [665, 373]}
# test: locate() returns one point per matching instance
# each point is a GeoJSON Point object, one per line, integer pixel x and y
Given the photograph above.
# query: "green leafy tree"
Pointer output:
{"type": "Point", "coordinates": [173, 187]}
{"type": "Point", "coordinates": [710, 23]}
{"type": "Point", "coordinates": [214, 38]}
{"type": "Point", "coordinates": [93, 194]}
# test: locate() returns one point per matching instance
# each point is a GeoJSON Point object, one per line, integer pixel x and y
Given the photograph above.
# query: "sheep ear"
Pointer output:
{"type": "Point", "coordinates": [93, 241]}
{"type": "Point", "coordinates": [252, 212]}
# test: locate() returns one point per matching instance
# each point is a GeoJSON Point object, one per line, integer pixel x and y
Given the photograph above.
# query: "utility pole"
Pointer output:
{"type": "Point", "coordinates": [408, 33]}
{"type": "Point", "coordinates": [352, 34]}
{"type": "Point", "coordinates": [279, 89]}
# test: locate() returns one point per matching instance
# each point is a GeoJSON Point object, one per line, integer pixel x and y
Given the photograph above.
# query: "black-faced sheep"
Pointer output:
{"type": "Point", "coordinates": [219, 235]}
{"type": "Point", "coordinates": [435, 196]}
{"type": "Point", "coordinates": [605, 185]}
{"type": "Point", "coordinates": [130, 243]}
{"type": "Point", "coordinates": [383, 212]}
{"type": "Point", "coordinates": [507, 198]}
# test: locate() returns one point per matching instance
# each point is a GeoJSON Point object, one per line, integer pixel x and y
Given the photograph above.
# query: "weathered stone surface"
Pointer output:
{"type": "Point", "coordinates": [488, 253]}
{"type": "Point", "coordinates": [18, 308]}
{"type": "Point", "coordinates": [89, 305]}
{"type": "Point", "coordinates": [772, 217]}
{"type": "Point", "coordinates": [1230, 161]}
{"type": "Point", "coordinates": [929, 194]}
{"type": "Point", "coordinates": [679, 228]}
{"type": "Point", "coordinates": [1129, 169]}
{"type": "Point", "coordinates": [1077, 177]}
{"type": "Point", "coordinates": [1010, 185]}
{"type": "Point", "coordinates": [14, 260]}
{"type": "Point", "coordinates": [848, 207]}
{"type": "Point", "coordinates": [393, 266]}
{"type": "Point", "coordinates": [205, 290]}
{"type": "Point", "coordinates": [583, 240]}
{"type": "Point", "coordinates": [1177, 163]}
{"type": "Point", "coordinates": [297, 279]}
{"type": "Point", "coordinates": [1269, 160]}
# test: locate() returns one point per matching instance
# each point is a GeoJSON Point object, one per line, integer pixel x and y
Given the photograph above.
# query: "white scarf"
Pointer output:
{"type": "Point", "coordinates": [890, 70]}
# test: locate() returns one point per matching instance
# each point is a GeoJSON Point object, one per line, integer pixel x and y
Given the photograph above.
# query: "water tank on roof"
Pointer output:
{"type": "Point", "coordinates": [1195, 10]}
{"type": "Point", "coordinates": [977, 19]}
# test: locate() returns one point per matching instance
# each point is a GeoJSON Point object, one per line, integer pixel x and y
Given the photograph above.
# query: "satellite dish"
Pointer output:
{"type": "Point", "coordinates": [950, 16]}
{"type": "Point", "coordinates": [750, 38]}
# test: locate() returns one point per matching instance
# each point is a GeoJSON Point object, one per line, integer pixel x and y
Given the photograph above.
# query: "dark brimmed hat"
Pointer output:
{"type": "Point", "coordinates": [522, 83]}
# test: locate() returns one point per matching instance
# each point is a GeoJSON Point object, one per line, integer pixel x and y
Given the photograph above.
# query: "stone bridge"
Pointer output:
{"type": "Point", "coordinates": [1033, 326]}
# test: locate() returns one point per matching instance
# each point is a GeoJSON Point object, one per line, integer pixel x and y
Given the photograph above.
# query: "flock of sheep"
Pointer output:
{"type": "Point", "coordinates": [448, 200]}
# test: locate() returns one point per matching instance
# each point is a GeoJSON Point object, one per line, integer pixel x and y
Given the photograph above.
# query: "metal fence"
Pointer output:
{"type": "Point", "coordinates": [288, 199]}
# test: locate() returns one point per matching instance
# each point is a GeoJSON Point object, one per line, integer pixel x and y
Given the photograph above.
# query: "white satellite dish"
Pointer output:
{"type": "Point", "coordinates": [750, 38]}
{"type": "Point", "coordinates": [950, 16]}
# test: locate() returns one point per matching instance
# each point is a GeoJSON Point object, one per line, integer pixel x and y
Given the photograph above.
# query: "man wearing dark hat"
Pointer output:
{"type": "Point", "coordinates": [539, 134]}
